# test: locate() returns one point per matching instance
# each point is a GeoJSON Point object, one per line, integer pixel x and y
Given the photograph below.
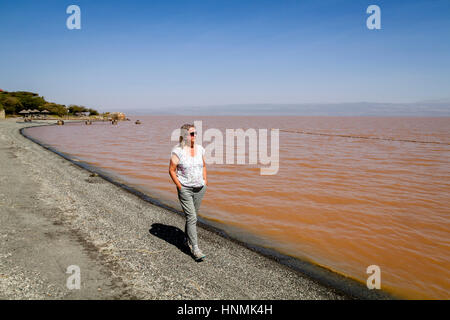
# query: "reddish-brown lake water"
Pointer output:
{"type": "Point", "coordinates": [341, 202]}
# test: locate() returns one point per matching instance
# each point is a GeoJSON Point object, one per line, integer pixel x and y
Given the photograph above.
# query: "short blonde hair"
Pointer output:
{"type": "Point", "coordinates": [184, 131]}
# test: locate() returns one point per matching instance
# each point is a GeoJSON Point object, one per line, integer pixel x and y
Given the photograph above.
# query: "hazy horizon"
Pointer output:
{"type": "Point", "coordinates": [434, 109]}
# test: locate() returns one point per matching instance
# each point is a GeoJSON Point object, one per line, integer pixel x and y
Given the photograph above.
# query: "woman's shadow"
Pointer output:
{"type": "Point", "coordinates": [172, 235]}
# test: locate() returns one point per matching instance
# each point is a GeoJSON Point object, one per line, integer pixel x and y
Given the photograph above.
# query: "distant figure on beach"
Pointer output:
{"type": "Point", "coordinates": [138, 122]}
{"type": "Point", "coordinates": [188, 171]}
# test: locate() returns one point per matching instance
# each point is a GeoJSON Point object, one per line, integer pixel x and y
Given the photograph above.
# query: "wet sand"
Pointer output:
{"type": "Point", "coordinates": [54, 214]}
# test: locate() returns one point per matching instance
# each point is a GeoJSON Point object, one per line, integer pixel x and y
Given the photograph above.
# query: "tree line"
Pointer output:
{"type": "Point", "coordinates": [14, 102]}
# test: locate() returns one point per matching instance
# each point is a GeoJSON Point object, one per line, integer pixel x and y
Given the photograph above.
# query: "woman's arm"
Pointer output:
{"type": "Point", "coordinates": [172, 170]}
{"type": "Point", "coordinates": [204, 171]}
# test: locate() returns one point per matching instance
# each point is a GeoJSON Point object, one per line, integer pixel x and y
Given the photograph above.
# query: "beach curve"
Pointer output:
{"type": "Point", "coordinates": [137, 243]}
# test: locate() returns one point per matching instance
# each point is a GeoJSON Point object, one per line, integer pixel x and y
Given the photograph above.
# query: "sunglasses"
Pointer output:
{"type": "Point", "coordinates": [193, 133]}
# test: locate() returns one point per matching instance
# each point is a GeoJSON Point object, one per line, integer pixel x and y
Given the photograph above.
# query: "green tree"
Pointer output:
{"type": "Point", "coordinates": [12, 105]}
{"type": "Point", "coordinates": [93, 112]}
{"type": "Point", "coordinates": [29, 100]}
{"type": "Point", "coordinates": [75, 109]}
{"type": "Point", "coordinates": [53, 108]}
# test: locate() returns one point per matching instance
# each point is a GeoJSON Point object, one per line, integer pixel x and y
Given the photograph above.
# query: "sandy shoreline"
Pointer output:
{"type": "Point", "coordinates": [54, 214]}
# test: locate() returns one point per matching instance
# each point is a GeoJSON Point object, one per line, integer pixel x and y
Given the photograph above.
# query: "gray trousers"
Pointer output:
{"type": "Point", "coordinates": [190, 200]}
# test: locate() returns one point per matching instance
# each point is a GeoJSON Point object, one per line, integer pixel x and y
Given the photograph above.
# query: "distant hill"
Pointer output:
{"type": "Point", "coordinates": [432, 109]}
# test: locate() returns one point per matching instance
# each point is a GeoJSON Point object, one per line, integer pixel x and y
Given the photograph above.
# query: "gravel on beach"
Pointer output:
{"type": "Point", "coordinates": [54, 214]}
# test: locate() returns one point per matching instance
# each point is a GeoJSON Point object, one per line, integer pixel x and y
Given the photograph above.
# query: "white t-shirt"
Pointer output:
{"type": "Point", "coordinates": [190, 169]}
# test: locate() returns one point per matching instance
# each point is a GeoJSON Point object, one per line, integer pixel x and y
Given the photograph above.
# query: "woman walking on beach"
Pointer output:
{"type": "Point", "coordinates": [188, 171]}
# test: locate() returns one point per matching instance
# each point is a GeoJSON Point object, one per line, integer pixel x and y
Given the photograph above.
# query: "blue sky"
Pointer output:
{"type": "Point", "coordinates": [153, 54]}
